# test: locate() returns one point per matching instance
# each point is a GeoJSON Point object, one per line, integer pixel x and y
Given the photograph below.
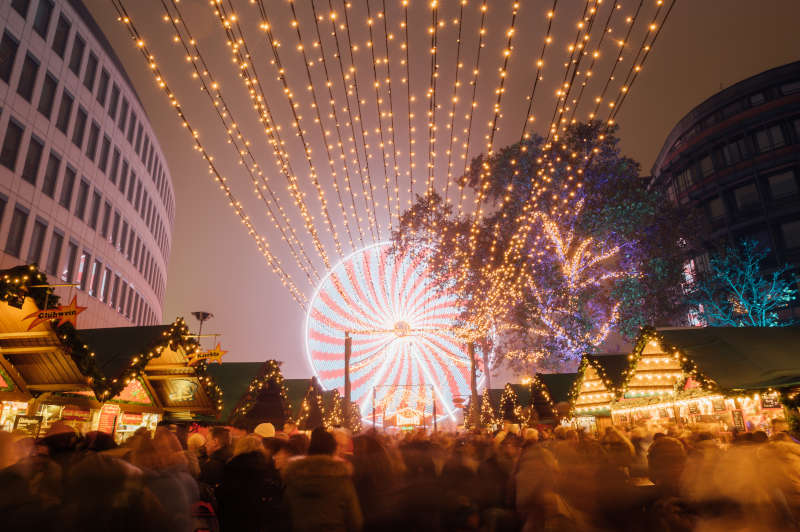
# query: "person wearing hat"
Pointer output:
{"type": "Point", "coordinates": [319, 489]}
{"type": "Point", "coordinates": [265, 430]}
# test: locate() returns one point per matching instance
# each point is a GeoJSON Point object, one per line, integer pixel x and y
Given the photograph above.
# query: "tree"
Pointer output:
{"type": "Point", "coordinates": [735, 293]}
{"type": "Point", "coordinates": [562, 242]}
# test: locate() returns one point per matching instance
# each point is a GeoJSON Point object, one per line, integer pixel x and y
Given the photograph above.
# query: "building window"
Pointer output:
{"type": "Point", "coordinates": [64, 111]}
{"type": "Point", "coordinates": [94, 214]}
{"type": "Point", "coordinates": [782, 185]}
{"type": "Point", "coordinates": [51, 175]}
{"type": "Point", "coordinates": [138, 196]}
{"type": "Point", "coordinates": [706, 166]}
{"type": "Point", "coordinates": [27, 79]}
{"type": "Point", "coordinates": [41, 22]}
{"type": "Point", "coordinates": [8, 155]}
{"type": "Point", "coordinates": [769, 138]}
{"type": "Point", "coordinates": [123, 115]}
{"type": "Point", "coordinates": [102, 87]}
{"type": "Point", "coordinates": [746, 197]}
{"type": "Point", "coordinates": [106, 220]}
{"type": "Point", "coordinates": [48, 95]}
{"type": "Point", "coordinates": [19, 220]}
{"type": "Point", "coordinates": [91, 72]}
{"type": "Point", "coordinates": [132, 188]}
{"type": "Point", "coordinates": [76, 58]}
{"type": "Point", "coordinates": [114, 292]}
{"type": "Point", "coordinates": [106, 147]}
{"type": "Point", "coordinates": [114, 167]}
{"type": "Point", "coordinates": [37, 241]}
{"type": "Point", "coordinates": [83, 270]}
{"type": "Point", "coordinates": [115, 229]}
{"type": "Point", "coordinates": [105, 286]}
{"type": "Point", "coordinates": [123, 237]}
{"type": "Point", "coordinates": [67, 187]}
{"type": "Point", "coordinates": [790, 88]}
{"type": "Point", "coordinates": [113, 102]}
{"type": "Point", "coordinates": [94, 284]}
{"type": "Point", "coordinates": [756, 99]}
{"type": "Point", "coordinates": [54, 252]}
{"type": "Point", "coordinates": [3, 201]}
{"type": "Point", "coordinates": [139, 139]}
{"type": "Point", "coordinates": [123, 177]}
{"type": "Point", "coordinates": [83, 196]}
{"type": "Point", "coordinates": [8, 54]}
{"type": "Point", "coordinates": [94, 137]}
{"type": "Point", "coordinates": [80, 127]}
{"type": "Point", "coordinates": [61, 36]}
{"type": "Point", "coordinates": [30, 169]}
{"type": "Point", "coordinates": [131, 240]}
{"type": "Point", "coordinates": [131, 128]}
{"type": "Point", "coordinates": [68, 274]}
{"type": "Point", "coordinates": [791, 234]}
{"type": "Point", "coordinates": [21, 7]}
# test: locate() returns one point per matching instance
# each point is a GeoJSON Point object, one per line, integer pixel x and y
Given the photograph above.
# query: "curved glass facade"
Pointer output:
{"type": "Point", "coordinates": [85, 191]}
{"type": "Point", "coordinates": [736, 156]}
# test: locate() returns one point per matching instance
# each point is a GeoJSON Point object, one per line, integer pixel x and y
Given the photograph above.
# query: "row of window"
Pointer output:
{"type": "Point", "coordinates": [732, 109]}
{"type": "Point", "coordinates": [142, 144]}
{"type": "Point", "coordinates": [746, 199]}
{"type": "Point", "coordinates": [92, 277]}
{"type": "Point", "coordinates": [119, 234]}
{"type": "Point", "coordinates": [756, 142]}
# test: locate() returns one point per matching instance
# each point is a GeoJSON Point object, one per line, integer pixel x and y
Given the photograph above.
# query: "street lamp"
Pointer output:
{"type": "Point", "coordinates": [202, 316]}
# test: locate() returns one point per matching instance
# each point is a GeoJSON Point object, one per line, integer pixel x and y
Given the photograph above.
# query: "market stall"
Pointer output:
{"type": "Point", "coordinates": [599, 379]}
{"type": "Point", "coordinates": [254, 393]}
{"type": "Point", "coordinates": [550, 396]}
{"type": "Point", "coordinates": [735, 377]}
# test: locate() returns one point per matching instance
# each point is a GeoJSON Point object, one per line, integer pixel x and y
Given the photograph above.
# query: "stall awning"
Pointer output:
{"type": "Point", "coordinates": [740, 358]}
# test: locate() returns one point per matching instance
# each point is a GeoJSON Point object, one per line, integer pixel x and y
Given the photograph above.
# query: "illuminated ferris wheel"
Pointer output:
{"type": "Point", "coordinates": [402, 327]}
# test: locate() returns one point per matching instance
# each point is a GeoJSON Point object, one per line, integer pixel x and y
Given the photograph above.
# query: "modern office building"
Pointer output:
{"type": "Point", "coordinates": [736, 156]}
{"type": "Point", "coordinates": [85, 191]}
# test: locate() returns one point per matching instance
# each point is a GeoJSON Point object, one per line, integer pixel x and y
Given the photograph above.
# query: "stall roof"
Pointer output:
{"type": "Point", "coordinates": [558, 385]}
{"type": "Point", "coordinates": [741, 358]}
{"type": "Point", "coordinates": [523, 392]}
{"type": "Point", "coordinates": [115, 347]}
{"type": "Point", "coordinates": [234, 378]}
{"type": "Point", "coordinates": [613, 364]}
{"type": "Point", "coordinates": [296, 390]}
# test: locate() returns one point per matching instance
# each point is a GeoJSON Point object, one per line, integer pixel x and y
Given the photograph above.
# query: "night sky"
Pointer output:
{"type": "Point", "coordinates": [215, 266]}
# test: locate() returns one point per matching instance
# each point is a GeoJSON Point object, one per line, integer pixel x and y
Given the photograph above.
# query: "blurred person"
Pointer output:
{"type": "Point", "coordinates": [319, 489]}
{"type": "Point", "coordinates": [166, 474]}
{"type": "Point", "coordinates": [299, 443]}
{"type": "Point", "coordinates": [249, 490]}
{"type": "Point", "coordinates": [195, 452]}
{"type": "Point", "coordinates": [344, 442]}
{"type": "Point", "coordinates": [218, 452]}
{"type": "Point", "coordinates": [265, 430]}
{"type": "Point", "coordinates": [668, 510]}
{"type": "Point", "coordinates": [374, 481]}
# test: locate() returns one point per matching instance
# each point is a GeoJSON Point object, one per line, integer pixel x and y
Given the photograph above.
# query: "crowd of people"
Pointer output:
{"type": "Point", "coordinates": [183, 479]}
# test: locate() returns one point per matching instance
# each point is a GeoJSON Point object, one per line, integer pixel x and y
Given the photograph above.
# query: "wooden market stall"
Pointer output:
{"type": "Point", "coordinates": [550, 396]}
{"type": "Point", "coordinates": [737, 377]}
{"type": "Point", "coordinates": [599, 379]}
{"type": "Point", "coordinates": [254, 393]}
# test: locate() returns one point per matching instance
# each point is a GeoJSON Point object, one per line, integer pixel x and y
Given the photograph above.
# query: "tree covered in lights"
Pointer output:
{"type": "Point", "coordinates": [568, 243]}
{"type": "Point", "coordinates": [736, 293]}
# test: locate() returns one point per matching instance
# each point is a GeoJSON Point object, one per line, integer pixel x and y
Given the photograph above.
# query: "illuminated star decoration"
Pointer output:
{"type": "Point", "coordinates": [62, 313]}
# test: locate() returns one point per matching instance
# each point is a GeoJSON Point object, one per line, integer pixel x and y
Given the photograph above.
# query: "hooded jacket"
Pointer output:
{"type": "Point", "coordinates": [321, 495]}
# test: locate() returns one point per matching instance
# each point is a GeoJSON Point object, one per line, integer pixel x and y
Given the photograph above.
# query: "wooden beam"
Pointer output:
{"type": "Point", "coordinates": [71, 387]}
{"type": "Point", "coordinates": [14, 374]}
{"type": "Point", "coordinates": [28, 350]}
{"type": "Point", "coordinates": [170, 376]}
{"type": "Point", "coordinates": [166, 367]}
{"type": "Point", "coordinates": [25, 335]}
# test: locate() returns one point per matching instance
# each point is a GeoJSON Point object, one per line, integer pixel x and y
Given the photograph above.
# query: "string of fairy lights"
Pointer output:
{"type": "Point", "coordinates": [325, 128]}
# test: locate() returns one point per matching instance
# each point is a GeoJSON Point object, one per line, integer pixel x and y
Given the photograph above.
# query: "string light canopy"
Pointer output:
{"type": "Point", "coordinates": [331, 115]}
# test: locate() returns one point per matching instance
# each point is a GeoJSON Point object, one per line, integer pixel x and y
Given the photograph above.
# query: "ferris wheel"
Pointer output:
{"type": "Point", "coordinates": [402, 329]}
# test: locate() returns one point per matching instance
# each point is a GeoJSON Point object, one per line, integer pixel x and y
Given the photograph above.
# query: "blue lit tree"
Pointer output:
{"type": "Point", "coordinates": [735, 293]}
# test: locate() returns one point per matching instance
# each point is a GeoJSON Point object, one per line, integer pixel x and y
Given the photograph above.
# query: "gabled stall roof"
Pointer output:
{"type": "Point", "coordinates": [612, 365]}
{"type": "Point", "coordinates": [234, 378]}
{"type": "Point", "coordinates": [558, 385]}
{"type": "Point", "coordinates": [740, 358]}
{"type": "Point", "coordinates": [115, 347]}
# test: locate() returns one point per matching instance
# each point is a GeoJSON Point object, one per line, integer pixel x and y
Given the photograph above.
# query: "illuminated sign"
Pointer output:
{"type": "Point", "coordinates": [62, 313]}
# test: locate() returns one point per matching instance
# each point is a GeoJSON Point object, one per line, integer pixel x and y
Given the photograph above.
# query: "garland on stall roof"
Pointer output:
{"type": "Point", "coordinates": [537, 384]}
{"type": "Point", "coordinates": [510, 408]}
{"type": "Point", "coordinates": [270, 374]}
{"type": "Point", "coordinates": [575, 391]}
{"type": "Point", "coordinates": [305, 407]}
{"type": "Point", "coordinates": [211, 388]}
{"type": "Point", "coordinates": [334, 416]}
{"type": "Point", "coordinates": [488, 418]}
{"type": "Point", "coordinates": [26, 281]}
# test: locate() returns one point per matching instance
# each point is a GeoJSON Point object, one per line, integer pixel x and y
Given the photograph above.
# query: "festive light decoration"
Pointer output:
{"type": "Point", "coordinates": [270, 377]}
{"type": "Point", "coordinates": [403, 331]}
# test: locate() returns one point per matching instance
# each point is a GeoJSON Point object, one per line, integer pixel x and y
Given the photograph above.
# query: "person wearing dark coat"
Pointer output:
{"type": "Point", "coordinates": [250, 490]}
{"type": "Point", "coordinates": [320, 491]}
{"type": "Point", "coordinates": [218, 450]}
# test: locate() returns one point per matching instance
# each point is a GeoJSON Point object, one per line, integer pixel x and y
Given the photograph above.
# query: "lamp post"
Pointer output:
{"type": "Point", "coordinates": [201, 316]}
